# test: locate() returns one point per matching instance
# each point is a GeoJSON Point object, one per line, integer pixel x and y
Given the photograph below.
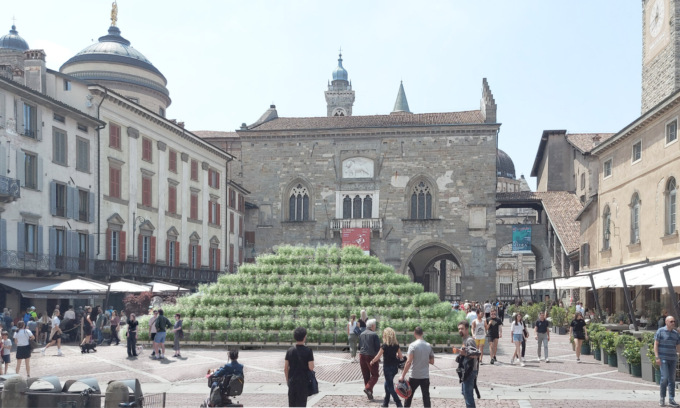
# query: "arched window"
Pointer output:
{"type": "Point", "coordinates": [532, 275]}
{"type": "Point", "coordinates": [606, 228]}
{"type": "Point", "coordinates": [421, 202]}
{"type": "Point", "coordinates": [671, 194]}
{"type": "Point", "coordinates": [356, 209]}
{"type": "Point", "coordinates": [635, 219]}
{"type": "Point", "coordinates": [298, 204]}
{"type": "Point", "coordinates": [346, 208]}
{"type": "Point", "coordinates": [368, 207]}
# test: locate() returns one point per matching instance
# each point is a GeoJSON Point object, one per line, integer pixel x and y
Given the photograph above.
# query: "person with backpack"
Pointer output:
{"type": "Point", "coordinates": [468, 364]}
{"type": "Point", "coordinates": [299, 362]}
{"type": "Point", "coordinates": [162, 324]}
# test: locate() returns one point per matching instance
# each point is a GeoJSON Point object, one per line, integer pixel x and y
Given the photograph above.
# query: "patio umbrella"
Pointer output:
{"type": "Point", "coordinates": [74, 285]}
{"type": "Point", "coordinates": [125, 286]}
{"type": "Point", "coordinates": [158, 287]}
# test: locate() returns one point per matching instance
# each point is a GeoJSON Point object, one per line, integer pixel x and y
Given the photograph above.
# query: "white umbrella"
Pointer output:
{"type": "Point", "coordinates": [124, 286]}
{"type": "Point", "coordinates": [158, 287]}
{"type": "Point", "coordinates": [73, 285]}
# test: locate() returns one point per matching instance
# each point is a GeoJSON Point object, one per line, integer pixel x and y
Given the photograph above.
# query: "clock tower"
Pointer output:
{"type": "Point", "coordinates": [660, 51]}
{"type": "Point", "coordinates": [339, 96]}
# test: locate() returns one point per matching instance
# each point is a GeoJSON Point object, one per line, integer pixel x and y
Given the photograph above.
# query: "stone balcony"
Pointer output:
{"type": "Point", "coordinates": [374, 224]}
{"type": "Point", "coordinates": [10, 189]}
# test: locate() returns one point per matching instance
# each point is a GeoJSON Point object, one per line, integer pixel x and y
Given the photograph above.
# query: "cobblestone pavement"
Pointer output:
{"type": "Point", "coordinates": [560, 383]}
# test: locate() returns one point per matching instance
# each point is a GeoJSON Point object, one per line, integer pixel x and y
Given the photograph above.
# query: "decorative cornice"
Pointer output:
{"type": "Point", "coordinates": [378, 133]}
{"type": "Point", "coordinates": [146, 172]}
{"type": "Point", "coordinates": [161, 145]}
{"type": "Point", "coordinates": [132, 132]}
{"type": "Point", "coordinates": [205, 165]}
{"type": "Point", "coordinates": [185, 157]}
{"type": "Point", "coordinates": [115, 161]}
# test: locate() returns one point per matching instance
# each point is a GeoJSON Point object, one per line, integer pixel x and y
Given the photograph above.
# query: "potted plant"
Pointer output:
{"type": "Point", "coordinates": [559, 319]}
{"type": "Point", "coordinates": [609, 347]}
{"type": "Point", "coordinates": [632, 354]}
{"type": "Point", "coordinates": [647, 358]}
{"type": "Point", "coordinates": [621, 342]}
{"type": "Point", "coordinates": [595, 332]}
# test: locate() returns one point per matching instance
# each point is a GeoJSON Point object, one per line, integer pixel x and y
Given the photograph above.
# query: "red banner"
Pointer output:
{"type": "Point", "coordinates": [360, 237]}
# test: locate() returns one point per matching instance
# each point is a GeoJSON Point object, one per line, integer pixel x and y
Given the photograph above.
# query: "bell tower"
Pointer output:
{"type": "Point", "coordinates": [339, 96]}
{"type": "Point", "coordinates": [660, 51]}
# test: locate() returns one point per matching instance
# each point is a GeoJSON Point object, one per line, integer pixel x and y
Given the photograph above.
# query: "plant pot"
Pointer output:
{"type": "Point", "coordinates": [612, 360]}
{"type": "Point", "coordinates": [647, 368]}
{"type": "Point", "coordinates": [562, 330]}
{"type": "Point", "coordinates": [597, 353]}
{"type": "Point", "coordinates": [657, 375]}
{"type": "Point", "coordinates": [623, 365]}
{"type": "Point", "coordinates": [605, 357]}
{"type": "Point", "coordinates": [636, 370]}
{"type": "Point", "coordinates": [585, 348]}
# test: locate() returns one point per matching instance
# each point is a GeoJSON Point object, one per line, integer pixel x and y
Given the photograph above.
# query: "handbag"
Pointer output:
{"type": "Point", "coordinates": [313, 385]}
{"type": "Point", "coordinates": [357, 330]}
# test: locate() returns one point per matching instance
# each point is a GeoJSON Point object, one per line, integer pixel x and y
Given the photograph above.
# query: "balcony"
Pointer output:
{"type": "Point", "coordinates": [374, 224]}
{"type": "Point", "coordinates": [43, 263]}
{"type": "Point", "coordinates": [9, 189]}
{"type": "Point", "coordinates": [178, 274]}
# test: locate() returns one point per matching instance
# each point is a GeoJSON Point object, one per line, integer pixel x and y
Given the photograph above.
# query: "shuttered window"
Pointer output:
{"type": "Point", "coordinates": [146, 191]}
{"type": "Point", "coordinates": [82, 155]}
{"type": "Point", "coordinates": [146, 149]}
{"type": "Point", "coordinates": [114, 136]}
{"type": "Point", "coordinates": [114, 181]}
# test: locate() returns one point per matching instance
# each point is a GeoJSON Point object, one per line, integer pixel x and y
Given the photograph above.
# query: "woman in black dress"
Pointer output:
{"type": "Point", "coordinates": [391, 354]}
{"type": "Point", "coordinates": [579, 332]}
{"type": "Point", "coordinates": [87, 326]}
{"type": "Point", "coordinates": [131, 335]}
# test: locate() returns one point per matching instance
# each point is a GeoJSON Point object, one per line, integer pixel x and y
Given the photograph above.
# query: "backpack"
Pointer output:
{"type": "Point", "coordinates": [27, 317]}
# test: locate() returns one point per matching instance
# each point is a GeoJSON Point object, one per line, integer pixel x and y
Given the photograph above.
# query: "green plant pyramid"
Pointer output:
{"type": "Point", "coordinates": [317, 288]}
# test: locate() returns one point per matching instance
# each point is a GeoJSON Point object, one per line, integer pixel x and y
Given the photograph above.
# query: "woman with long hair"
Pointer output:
{"type": "Point", "coordinates": [352, 337]}
{"type": "Point", "coordinates": [362, 320]}
{"type": "Point", "coordinates": [43, 324]}
{"type": "Point", "coordinates": [115, 322]}
{"type": "Point", "coordinates": [55, 334]}
{"type": "Point", "coordinates": [87, 325]}
{"type": "Point", "coordinates": [23, 338]}
{"type": "Point", "coordinates": [578, 332]}
{"type": "Point", "coordinates": [391, 354]}
{"type": "Point", "coordinates": [517, 330]}
{"type": "Point", "coordinates": [131, 334]}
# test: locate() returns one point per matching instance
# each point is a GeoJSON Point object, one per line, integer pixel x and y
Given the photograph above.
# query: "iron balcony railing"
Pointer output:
{"type": "Point", "coordinates": [43, 262]}
{"type": "Point", "coordinates": [374, 224]}
{"type": "Point", "coordinates": [10, 189]}
{"type": "Point", "coordinates": [128, 269]}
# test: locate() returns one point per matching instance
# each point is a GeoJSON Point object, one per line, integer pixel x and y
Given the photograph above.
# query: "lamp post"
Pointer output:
{"type": "Point", "coordinates": [141, 220]}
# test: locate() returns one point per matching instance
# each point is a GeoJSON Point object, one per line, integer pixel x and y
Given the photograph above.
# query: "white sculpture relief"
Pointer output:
{"type": "Point", "coordinates": [357, 167]}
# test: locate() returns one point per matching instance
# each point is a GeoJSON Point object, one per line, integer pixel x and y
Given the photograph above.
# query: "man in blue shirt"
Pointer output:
{"type": "Point", "coordinates": [666, 348]}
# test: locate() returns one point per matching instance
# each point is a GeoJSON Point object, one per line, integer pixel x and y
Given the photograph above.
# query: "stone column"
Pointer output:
{"type": "Point", "coordinates": [185, 210]}
{"type": "Point", "coordinates": [133, 188]}
{"type": "Point", "coordinates": [161, 236]}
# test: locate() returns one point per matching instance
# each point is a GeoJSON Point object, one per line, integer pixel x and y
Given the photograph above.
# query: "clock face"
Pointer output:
{"type": "Point", "coordinates": [656, 18]}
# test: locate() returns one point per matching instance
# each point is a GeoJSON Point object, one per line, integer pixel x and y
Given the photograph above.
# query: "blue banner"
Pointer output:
{"type": "Point", "coordinates": [521, 239]}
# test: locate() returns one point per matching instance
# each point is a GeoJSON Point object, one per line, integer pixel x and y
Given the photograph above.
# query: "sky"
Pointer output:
{"type": "Point", "coordinates": [573, 65]}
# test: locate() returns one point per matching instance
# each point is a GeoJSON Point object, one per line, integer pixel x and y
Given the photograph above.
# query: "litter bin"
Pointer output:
{"type": "Point", "coordinates": [48, 392]}
{"type": "Point", "coordinates": [135, 396]}
{"type": "Point", "coordinates": [4, 378]}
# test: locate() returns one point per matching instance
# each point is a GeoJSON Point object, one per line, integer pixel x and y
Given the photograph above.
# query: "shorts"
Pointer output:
{"type": "Point", "coordinates": [5, 358]}
{"type": "Point", "coordinates": [159, 338]}
{"type": "Point", "coordinates": [493, 336]}
{"type": "Point", "coordinates": [580, 335]}
{"type": "Point", "coordinates": [56, 336]}
{"type": "Point", "coordinates": [23, 352]}
{"type": "Point", "coordinates": [87, 330]}
{"type": "Point", "coordinates": [480, 342]}
{"type": "Point", "coordinates": [517, 337]}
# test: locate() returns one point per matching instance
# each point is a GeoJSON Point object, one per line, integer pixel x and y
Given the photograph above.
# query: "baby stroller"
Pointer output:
{"type": "Point", "coordinates": [226, 387]}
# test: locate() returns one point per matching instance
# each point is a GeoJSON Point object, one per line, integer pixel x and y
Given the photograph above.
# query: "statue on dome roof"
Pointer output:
{"type": "Point", "coordinates": [114, 14]}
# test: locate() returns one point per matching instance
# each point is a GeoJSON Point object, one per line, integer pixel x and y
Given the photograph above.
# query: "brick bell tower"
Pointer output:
{"type": "Point", "coordinates": [339, 96]}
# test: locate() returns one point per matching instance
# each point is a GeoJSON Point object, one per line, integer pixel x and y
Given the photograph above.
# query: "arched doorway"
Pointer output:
{"type": "Point", "coordinates": [430, 265]}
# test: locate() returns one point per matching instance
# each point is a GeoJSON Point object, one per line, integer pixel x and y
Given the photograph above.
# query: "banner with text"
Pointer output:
{"type": "Point", "coordinates": [360, 237]}
{"type": "Point", "coordinates": [521, 239]}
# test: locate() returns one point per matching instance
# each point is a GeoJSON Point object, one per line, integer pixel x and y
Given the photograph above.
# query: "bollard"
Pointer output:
{"type": "Point", "coordinates": [14, 393]}
{"type": "Point", "coordinates": [116, 392]}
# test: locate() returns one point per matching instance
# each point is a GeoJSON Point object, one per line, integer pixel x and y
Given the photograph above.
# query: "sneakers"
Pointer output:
{"type": "Point", "coordinates": [578, 361]}
{"type": "Point", "coordinates": [672, 403]}
{"type": "Point", "coordinates": [522, 363]}
{"type": "Point", "coordinates": [547, 360]}
{"type": "Point", "coordinates": [512, 361]}
{"type": "Point", "coordinates": [59, 353]}
{"type": "Point", "coordinates": [42, 351]}
{"type": "Point", "coordinates": [492, 361]}
{"type": "Point", "coordinates": [369, 394]}
{"type": "Point", "coordinates": [662, 402]}
{"type": "Point", "coordinates": [162, 356]}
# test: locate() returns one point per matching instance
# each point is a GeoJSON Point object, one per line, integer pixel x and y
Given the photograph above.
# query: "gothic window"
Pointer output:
{"type": "Point", "coordinates": [346, 208]}
{"type": "Point", "coordinates": [671, 203]}
{"type": "Point", "coordinates": [368, 207]}
{"type": "Point", "coordinates": [421, 202]}
{"type": "Point", "coordinates": [532, 275]}
{"type": "Point", "coordinates": [635, 219]}
{"type": "Point", "coordinates": [356, 209]}
{"type": "Point", "coordinates": [298, 204]}
{"type": "Point", "coordinates": [606, 228]}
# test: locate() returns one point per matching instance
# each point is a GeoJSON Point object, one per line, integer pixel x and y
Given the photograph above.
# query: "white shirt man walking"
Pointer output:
{"type": "Point", "coordinates": [419, 356]}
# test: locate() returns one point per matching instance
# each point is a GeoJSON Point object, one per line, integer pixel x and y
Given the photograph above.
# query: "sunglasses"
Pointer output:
{"type": "Point", "coordinates": [671, 321]}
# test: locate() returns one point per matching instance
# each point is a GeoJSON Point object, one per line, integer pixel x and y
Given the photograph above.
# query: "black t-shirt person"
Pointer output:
{"type": "Point", "coordinates": [577, 326]}
{"type": "Point", "coordinates": [541, 326]}
{"type": "Point", "coordinates": [298, 358]}
{"type": "Point", "coordinates": [494, 324]}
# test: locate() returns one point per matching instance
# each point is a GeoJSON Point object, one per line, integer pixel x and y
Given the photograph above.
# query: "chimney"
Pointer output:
{"type": "Point", "coordinates": [35, 70]}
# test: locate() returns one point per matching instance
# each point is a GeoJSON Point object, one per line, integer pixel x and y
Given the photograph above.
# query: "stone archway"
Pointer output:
{"type": "Point", "coordinates": [425, 263]}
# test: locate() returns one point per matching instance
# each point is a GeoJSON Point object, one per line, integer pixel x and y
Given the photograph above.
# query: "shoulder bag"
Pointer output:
{"type": "Point", "coordinates": [313, 385]}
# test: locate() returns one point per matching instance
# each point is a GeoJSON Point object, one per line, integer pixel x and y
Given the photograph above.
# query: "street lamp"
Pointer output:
{"type": "Point", "coordinates": [141, 220]}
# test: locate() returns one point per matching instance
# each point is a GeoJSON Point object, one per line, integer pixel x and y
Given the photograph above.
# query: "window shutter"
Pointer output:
{"type": "Point", "coordinates": [108, 244]}
{"type": "Point", "coordinates": [53, 197]}
{"type": "Point", "coordinates": [19, 115]}
{"type": "Point", "coordinates": [21, 240]}
{"type": "Point", "coordinates": [90, 211]}
{"type": "Point", "coordinates": [219, 259]}
{"type": "Point", "coordinates": [3, 151]}
{"type": "Point", "coordinates": [40, 240]}
{"type": "Point", "coordinates": [167, 252]}
{"type": "Point", "coordinates": [217, 179]}
{"type": "Point", "coordinates": [231, 222]}
{"type": "Point", "coordinates": [152, 249]}
{"type": "Point", "coordinates": [53, 248]}
{"type": "Point", "coordinates": [90, 252]}
{"type": "Point", "coordinates": [140, 246]}
{"type": "Point", "coordinates": [39, 176]}
{"type": "Point", "coordinates": [176, 253]}
{"type": "Point", "coordinates": [38, 123]}
{"type": "Point", "coordinates": [3, 113]}
{"type": "Point", "coordinates": [123, 246]}
{"type": "Point", "coordinates": [210, 212]}
{"type": "Point", "coordinates": [219, 215]}
{"type": "Point", "coordinates": [72, 244]}
{"type": "Point", "coordinates": [75, 203]}
{"type": "Point", "coordinates": [198, 257]}
{"type": "Point", "coordinates": [70, 200]}
{"type": "Point", "coordinates": [3, 235]}
{"type": "Point", "coordinates": [231, 258]}
{"type": "Point", "coordinates": [21, 167]}
{"type": "Point", "coordinates": [210, 259]}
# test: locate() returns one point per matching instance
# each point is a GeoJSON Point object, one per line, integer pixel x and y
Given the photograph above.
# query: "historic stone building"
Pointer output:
{"type": "Point", "coordinates": [423, 184]}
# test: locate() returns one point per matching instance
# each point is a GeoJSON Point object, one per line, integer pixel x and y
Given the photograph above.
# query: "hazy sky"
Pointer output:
{"type": "Point", "coordinates": [571, 65]}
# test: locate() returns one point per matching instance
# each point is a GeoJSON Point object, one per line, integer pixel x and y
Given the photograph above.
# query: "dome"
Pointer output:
{"type": "Point", "coordinates": [13, 41]}
{"type": "Point", "coordinates": [340, 73]}
{"type": "Point", "coordinates": [113, 48]}
{"type": "Point", "coordinates": [504, 165]}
